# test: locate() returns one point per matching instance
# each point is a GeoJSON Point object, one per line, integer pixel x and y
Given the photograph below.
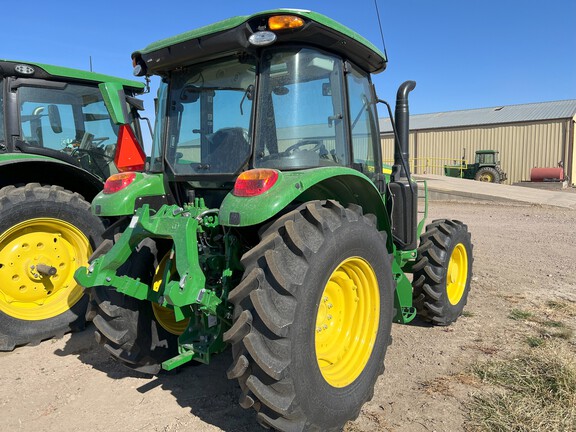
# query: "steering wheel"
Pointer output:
{"type": "Point", "coordinates": [97, 142]}
{"type": "Point", "coordinates": [315, 143]}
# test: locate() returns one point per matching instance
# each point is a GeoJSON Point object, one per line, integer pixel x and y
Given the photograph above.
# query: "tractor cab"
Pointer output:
{"type": "Point", "coordinates": [487, 157]}
{"type": "Point", "coordinates": [66, 115]}
{"type": "Point", "coordinates": [281, 103]}
{"type": "Point", "coordinates": [219, 123]}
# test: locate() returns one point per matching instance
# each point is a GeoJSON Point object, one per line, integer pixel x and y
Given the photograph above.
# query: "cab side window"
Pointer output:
{"type": "Point", "coordinates": [362, 120]}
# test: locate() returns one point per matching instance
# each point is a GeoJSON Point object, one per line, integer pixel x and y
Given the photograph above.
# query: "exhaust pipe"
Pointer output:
{"type": "Point", "coordinates": [402, 122]}
{"type": "Point", "coordinates": [402, 196]}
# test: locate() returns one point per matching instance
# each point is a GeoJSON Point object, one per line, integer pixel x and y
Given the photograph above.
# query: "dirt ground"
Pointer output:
{"type": "Point", "coordinates": [524, 256]}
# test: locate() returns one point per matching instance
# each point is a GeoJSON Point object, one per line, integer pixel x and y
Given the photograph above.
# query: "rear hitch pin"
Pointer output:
{"type": "Point", "coordinates": [182, 283]}
{"type": "Point", "coordinates": [200, 295]}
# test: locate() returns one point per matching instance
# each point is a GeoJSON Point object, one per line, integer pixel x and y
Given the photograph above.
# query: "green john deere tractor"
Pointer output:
{"type": "Point", "coordinates": [486, 168]}
{"type": "Point", "coordinates": [267, 221]}
{"type": "Point", "coordinates": [57, 146]}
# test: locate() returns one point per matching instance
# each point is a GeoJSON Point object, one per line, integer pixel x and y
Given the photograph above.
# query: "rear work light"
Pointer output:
{"type": "Point", "coordinates": [284, 22]}
{"type": "Point", "coordinates": [129, 154]}
{"type": "Point", "coordinates": [117, 182]}
{"type": "Point", "coordinates": [254, 182]}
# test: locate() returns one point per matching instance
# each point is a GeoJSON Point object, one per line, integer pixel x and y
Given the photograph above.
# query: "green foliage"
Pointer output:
{"type": "Point", "coordinates": [534, 341]}
{"type": "Point", "coordinates": [555, 324]}
{"type": "Point", "coordinates": [519, 315]}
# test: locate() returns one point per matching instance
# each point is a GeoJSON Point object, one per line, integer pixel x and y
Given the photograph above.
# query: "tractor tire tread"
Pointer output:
{"type": "Point", "coordinates": [19, 203]}
{"type": "Point", "coordinates": [274, 272]}
{"type": "Point", "coordinates": [430, 270]}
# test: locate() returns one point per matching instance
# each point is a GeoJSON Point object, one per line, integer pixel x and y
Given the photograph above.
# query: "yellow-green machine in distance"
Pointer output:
{"type": "Point", "coordinates": [486, 168]}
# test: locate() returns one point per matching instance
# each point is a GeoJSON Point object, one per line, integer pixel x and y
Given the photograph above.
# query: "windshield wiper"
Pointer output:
{"type": "Point", "coordinates": [248, 93]}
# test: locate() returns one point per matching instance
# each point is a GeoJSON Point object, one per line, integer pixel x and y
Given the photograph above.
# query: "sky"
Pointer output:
{"type": "Point", "coordinates": [463, 54]}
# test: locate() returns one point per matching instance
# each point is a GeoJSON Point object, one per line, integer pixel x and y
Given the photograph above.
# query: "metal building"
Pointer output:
{"type": "Point", "coordinates": [527, 136]}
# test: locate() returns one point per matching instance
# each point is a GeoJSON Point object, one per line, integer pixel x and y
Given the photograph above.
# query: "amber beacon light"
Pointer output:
{"type": "Point", "coordinates": [284, 22]}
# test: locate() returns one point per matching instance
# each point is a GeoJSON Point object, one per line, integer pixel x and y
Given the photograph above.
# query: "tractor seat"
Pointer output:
{"type": "Point", "coordinates": [230, 149]}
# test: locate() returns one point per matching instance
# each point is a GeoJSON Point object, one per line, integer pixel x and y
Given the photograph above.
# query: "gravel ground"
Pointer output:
{"type": "Point", "coordinates": [524, 257]}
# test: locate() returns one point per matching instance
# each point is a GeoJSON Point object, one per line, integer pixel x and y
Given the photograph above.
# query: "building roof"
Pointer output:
{"type": "Point", "coordinates": [564, 109]}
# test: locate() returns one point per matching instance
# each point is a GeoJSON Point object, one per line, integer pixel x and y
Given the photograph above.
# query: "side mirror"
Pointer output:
{"type": "Point", "coordinates": [54, 118]}
{"type": "Point", "coordinates": [326, 89]}
{"type": "Point", "coordinates": [189, 94]}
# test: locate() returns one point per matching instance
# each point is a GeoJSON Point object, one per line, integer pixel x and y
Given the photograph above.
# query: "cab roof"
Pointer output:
{"type": "Point", "coordinates": [45, 71]}
{"type": "Point", "coordinates": [231, 35]}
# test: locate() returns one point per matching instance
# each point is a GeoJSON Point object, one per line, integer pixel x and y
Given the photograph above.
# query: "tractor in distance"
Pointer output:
{"type": "Point", "coordinates": [486, 168]}
{"type": "Point", "coordinates": [267, 222]}
{"type": "Point", "coordinates": [57, 147]}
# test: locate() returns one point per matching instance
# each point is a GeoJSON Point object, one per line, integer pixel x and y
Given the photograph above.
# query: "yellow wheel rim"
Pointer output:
{"type": "Point", "coordinates": [27, 294]}
{"type": "Point", "coordinates": [487, 177]}
{"type": "Point", "coordinates": [347, 322]}
{"type": "Point", "coordinates": [163, 315]}
{"type": "Point", "coordinates": [457, 275]}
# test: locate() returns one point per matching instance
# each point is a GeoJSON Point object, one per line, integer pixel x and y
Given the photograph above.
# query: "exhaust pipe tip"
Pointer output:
{"type": "Point", "coordinates": [405, 88]}
{"type": "Point", "coordinates": [402, 122]}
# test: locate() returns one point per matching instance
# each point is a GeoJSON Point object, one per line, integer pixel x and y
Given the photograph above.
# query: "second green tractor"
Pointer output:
{"type": "Point", "coordinates": [267, 221]}
{"type": "Point", "coordinates": [486, 168]}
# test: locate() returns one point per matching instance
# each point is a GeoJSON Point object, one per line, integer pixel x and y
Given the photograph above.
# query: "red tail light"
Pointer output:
{"type": "Point", "coordinates": [117, 182]}
{"type": "Point", "coordinates": [254, 182]}
{"type": "Point", "coordinates": [129, 154]}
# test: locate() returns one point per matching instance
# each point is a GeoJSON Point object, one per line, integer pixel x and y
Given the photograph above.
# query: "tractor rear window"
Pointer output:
{"type": "Point", "coordinates": [300, 111]}
{"type": "Point", "coordinates": [209, 116]}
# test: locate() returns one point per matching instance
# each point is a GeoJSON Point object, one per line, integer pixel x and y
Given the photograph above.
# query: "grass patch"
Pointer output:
{"type": "Point", "coordinates": [564, 333]}
{"type": "Point", "coordinates": [519, 315]}
{"type": "Point", "coordinates": [556, 305]}
{"type": "Point", "coordinates": [467, 314]}
{"type": "Point", "coordinates": [554, 324]}
{"type": "Point", "coordinates": [534, 341]}
{"type": "Point", "coordinates": [562, 306]}
{"type": "Point", "coordinates": [534, 392]}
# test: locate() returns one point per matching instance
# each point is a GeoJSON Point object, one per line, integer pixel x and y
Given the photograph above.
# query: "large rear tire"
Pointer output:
{"type": "Point", "coordinates": [312, 318]}
{"type": "Point", "coordinates": [127, 327]}
{"type": "Point", "coordinates": [46, 233]}
{"type": "Point", "coordinates": [443, 271]}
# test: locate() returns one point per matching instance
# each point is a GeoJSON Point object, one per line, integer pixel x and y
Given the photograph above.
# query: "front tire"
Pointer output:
{"type": "Point", "coordinates": [312, 318]}
{"type": "Point", "coordinates": [443, 271]}
{"type": "Point", "coordinates": [42, 227]}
